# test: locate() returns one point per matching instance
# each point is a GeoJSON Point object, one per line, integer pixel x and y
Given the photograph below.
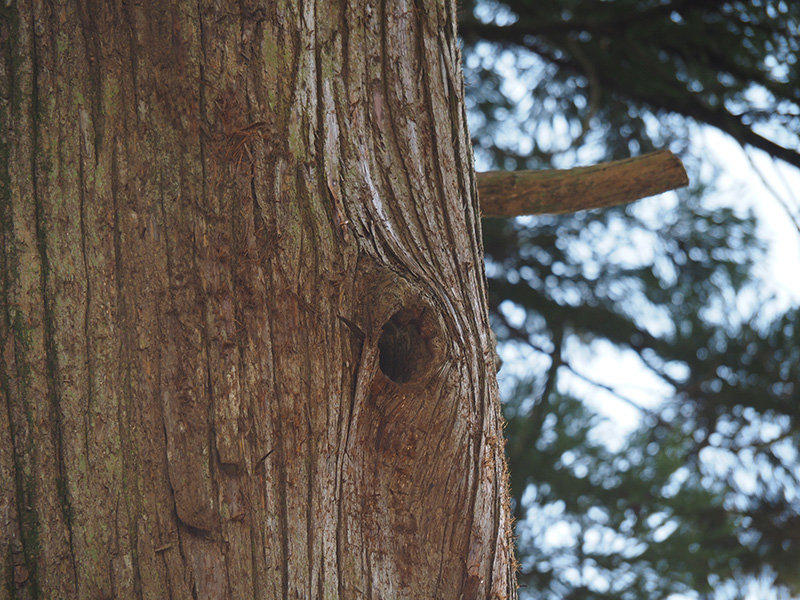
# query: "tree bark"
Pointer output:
{"type": "Point", "coordinates": [515, 193]}
{"type": "Point", "coordinates": [245, 343]}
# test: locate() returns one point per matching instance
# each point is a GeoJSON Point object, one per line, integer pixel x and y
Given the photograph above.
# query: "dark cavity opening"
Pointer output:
{"type": "Point", "coordinates": [405, 353]}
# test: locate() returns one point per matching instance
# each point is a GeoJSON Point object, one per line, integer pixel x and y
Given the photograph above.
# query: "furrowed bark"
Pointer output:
{"type": "Point", "coordinates": [245, 349]}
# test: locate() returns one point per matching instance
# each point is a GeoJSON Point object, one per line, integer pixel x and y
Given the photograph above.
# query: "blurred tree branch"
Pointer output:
{"type": "Point", "coordinates": [515, 193]}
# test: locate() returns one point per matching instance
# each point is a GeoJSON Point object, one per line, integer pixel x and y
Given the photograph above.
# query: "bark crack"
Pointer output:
{"type": "Point", "coordinates": [51, 354]}
{"type": "Point", "coordinates": [133, 55]}
{"type": "Point", "coordinates": [87, 311]}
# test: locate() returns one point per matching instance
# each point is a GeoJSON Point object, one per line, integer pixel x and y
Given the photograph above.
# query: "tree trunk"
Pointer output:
{"type": "Point", "coordinates": [245, 349]}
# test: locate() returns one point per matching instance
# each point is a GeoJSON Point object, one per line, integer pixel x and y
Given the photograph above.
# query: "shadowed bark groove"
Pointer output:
{"type": "Point", "coordinates": [245, 348]}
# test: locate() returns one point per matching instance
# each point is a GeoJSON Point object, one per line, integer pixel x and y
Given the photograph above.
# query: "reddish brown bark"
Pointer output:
{"type": "Point", "coordinates": [245, 345]}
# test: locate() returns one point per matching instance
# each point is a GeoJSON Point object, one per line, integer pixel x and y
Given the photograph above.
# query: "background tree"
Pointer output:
{"type": "Point", "coordinates": [245, 344]}
{"type": "Point", "coordinates": [701, 498]}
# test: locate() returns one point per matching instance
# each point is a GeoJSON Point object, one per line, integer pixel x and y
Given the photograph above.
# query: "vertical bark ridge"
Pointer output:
{"type": "Point", "coordinates": [49, 182]}
{"type": "Point", "coordinates": [20, 348]}
{"type": "Point", "coordinates": [17, 460]}
{"type": "Point", "coordinates": [11, 560]}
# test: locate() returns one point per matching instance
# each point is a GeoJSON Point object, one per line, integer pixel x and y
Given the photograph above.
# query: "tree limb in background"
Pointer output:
{"type": "Point", "coordinates": [515, 193]}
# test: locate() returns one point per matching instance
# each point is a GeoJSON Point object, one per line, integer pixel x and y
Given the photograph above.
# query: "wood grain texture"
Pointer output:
{"type": "Point", "coordinates": [516, 193]}
{"type": "Point", "coordinates": [245, 341]}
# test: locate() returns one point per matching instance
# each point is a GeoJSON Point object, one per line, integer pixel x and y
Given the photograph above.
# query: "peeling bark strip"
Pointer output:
{"type": "Point", "coordinates": [515, 193]}
{"type": "Point", "coordinates": [244, 342]}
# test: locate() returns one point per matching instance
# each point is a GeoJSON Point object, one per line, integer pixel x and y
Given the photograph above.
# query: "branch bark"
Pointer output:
{"type": "Point", "coordinates": [515, 193]}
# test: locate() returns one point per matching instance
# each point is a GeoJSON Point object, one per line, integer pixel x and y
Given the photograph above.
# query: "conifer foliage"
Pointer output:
{"type": "Point", "coordinates": [702, 497]}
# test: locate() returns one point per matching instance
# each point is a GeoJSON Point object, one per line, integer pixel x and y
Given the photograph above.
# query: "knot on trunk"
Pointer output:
{"type": "Point", "coordinates": [404, 352]}
{"type": "Point", "coordinates": [410, 344]}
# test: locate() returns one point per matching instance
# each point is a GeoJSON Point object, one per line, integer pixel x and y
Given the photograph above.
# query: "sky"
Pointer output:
{"type": "Point", "coordinates": [742, 184]}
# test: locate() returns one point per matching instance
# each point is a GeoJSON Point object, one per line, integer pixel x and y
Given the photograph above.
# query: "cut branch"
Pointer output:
{"type": "Point", "coordinates": [515, 193]}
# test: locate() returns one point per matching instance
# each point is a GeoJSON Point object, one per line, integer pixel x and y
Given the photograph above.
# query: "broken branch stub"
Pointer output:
{"type": "Point", "coordinates": [516, 193]}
